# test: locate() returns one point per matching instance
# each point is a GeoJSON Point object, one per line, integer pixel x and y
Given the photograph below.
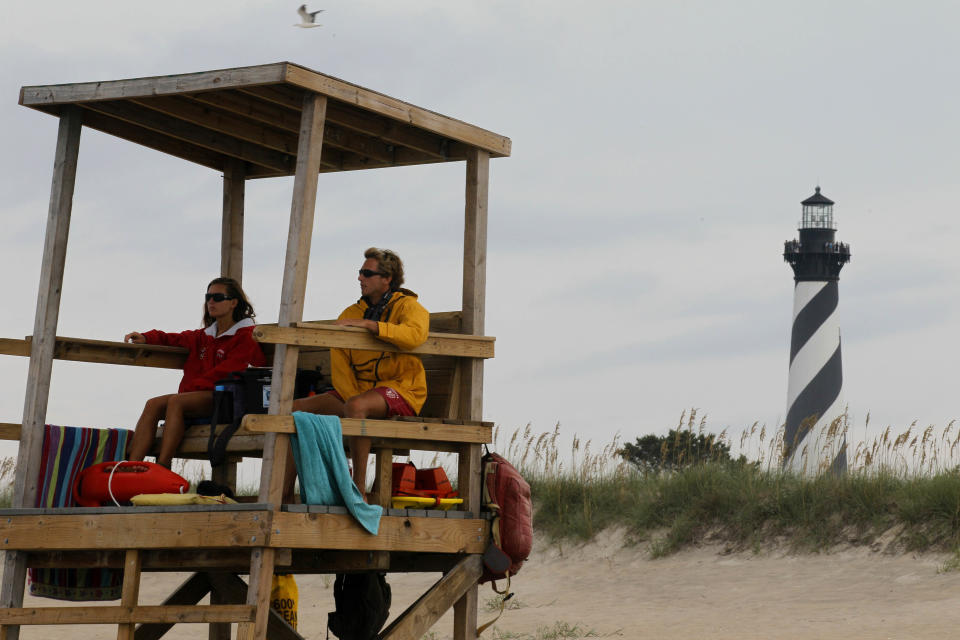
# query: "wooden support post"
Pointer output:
{"type": "Point", "coordinates": [231, 266]}
{"type": "Point", "coordinates": [277, 446]}
{"type": "Point", "coordinates": [231, 245]}
{"type": "Point", "coordinates": [453, 404]}
{"type": "Point", "coordinates": [475, 277]}
{"type": "Point", "coordinates": [471, 384]}
{"type": "Point", "coordinates": [383, 485]}
{"type": "Point", "coordinates": [41, 351]}
{"type": "Point", "coordinates": [220, 630]}
{"type": "Point", "coordinates": [130, 595]}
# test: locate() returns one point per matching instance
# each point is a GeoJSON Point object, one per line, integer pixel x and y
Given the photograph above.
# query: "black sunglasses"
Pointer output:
{"type": "Point", "coordinates": [217, 297]}
{"type": "Point", "coordinates": [369, 273]}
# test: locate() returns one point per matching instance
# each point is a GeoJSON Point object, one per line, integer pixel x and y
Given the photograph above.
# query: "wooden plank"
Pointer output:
{"type": "Point", "coordinates": [236, 560]}
{"type": "Point", "coordinates": [225, 122]}
{"type": "Point", "coordinates": [440, 322]}
{"type": "Point", "coordinates": [385, 429]}
{"type": "Point", "coordinates": [378, 127]}
{"type": "Point", "coordinates": [40, 368]}
{"type": "Point", "coordinates": [210, 529]}
{"type": "Point", "coordinates": [9, 431]}
{"type": "Point", "coordinates": [158, 614]}
{"type": "Point", "coordinates": [119, 353]}
{"type": "Point", "coordinates": [130, 595]}
{"type": "Point", "coordinates": [287, 119]}
{"type": "Point", "coordinates": [190, 133]}
{"type": "Point", "coordinates": [194, 445]}
{"type": "Point", "coordinates": [430, 607]}
{"type": "Point", "coordinates": [108, 352]}
{"type": "Point", "coordinates": [423, 562]}
{"type": "Point", "coordinates": [446, 321]}
{"type": "Point", "coordinates": [283, 117]}
{"type": "Point", "coordinates": [321, 335]}
{"type": "Point", "coordinates": [335, 561]}
{"type": "Point", "coordinates": [440, 535]}
{"type": "Point", "coordinates": [398, 110]}
{"type": "Point", "coordinates": [152, 86]}
{"type": "Point", "coordinates": [154, 140]}
{"type": "Point", "coordinates": [361, 145]}
{"type": "Point", "coordinates": [230, 114]}
{"type": "Point", "coordinates": [104, 352]}
{"type": "Point", "coordinates": [14, 347]}
{"type": "Point", "coordinates": [112, 510]}
{"type": "Point", "coordinates": [231, 236]}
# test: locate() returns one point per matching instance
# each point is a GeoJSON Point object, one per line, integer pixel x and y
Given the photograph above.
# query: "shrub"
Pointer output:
{"type": "Point", "coordinates": [679, 448]}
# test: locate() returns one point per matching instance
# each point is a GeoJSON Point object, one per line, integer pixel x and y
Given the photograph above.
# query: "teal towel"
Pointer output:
{"type": "Point", "coordinates": [322, 468]}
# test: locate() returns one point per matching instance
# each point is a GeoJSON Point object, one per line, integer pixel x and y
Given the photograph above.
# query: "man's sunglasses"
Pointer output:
{"type": "Point", "coordinates": [217, 297]}
{"type": "Point", "coordinates": [369, 273]}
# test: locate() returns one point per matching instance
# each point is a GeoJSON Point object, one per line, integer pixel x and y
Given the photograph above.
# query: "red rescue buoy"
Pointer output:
{"type": "Point", "coordinates": [94, 485]}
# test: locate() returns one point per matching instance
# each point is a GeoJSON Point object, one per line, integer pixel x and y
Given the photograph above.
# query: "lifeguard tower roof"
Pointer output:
{"type": "Point", "coordinates": [253, 114]}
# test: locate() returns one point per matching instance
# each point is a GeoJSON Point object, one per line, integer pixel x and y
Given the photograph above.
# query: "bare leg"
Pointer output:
{"type": "Point", "coordinates": [146, 430]}
{"type": "Point", "coordinates": [179, 406]}
{"type": "Point", "coordinates": [323, 404]}
{"type": "Point", "coordinates": [368, 404]}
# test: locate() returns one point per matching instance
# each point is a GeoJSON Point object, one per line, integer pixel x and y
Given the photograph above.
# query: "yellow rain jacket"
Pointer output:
{"type": "Point", "coordinates": [405, 324]}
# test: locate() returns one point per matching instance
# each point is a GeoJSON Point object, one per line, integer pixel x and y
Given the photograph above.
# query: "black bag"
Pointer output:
{"type": "Point", "coordinates": [244, 392]}
{"type": "Point", "coordinates": [240, 393]}
{"type": "Point", "coordinates": [363, 605]}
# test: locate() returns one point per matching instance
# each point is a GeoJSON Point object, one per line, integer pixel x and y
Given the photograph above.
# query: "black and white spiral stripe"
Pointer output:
{"type": "Point", "coordinates": [814, 390]}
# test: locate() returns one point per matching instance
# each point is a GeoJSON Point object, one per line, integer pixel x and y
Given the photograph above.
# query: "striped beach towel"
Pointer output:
{"type": "Point", "coordinates": [66, 452]}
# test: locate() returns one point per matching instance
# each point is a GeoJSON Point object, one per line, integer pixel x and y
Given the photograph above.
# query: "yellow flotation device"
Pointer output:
{"type": "Point", "coordinates": [174, 499]}
{"type": "Point", "coordinates": [416, 502]}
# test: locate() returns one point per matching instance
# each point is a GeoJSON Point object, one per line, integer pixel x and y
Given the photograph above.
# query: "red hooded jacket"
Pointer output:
{"type": "Point", "coordinates": [212, 357]}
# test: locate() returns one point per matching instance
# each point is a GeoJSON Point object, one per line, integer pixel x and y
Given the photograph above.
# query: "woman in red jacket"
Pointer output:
{"type": "Point", "coordinates": [226, 345]}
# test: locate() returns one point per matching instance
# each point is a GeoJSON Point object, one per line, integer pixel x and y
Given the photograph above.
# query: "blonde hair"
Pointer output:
{"type": "Point", "coordinates": [389, 264]}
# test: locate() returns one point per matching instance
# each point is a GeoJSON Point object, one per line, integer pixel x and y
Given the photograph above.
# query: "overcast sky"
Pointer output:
{"type": "Point", "coordinates": [660, 153]}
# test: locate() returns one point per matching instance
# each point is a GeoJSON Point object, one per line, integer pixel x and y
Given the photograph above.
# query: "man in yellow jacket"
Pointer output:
{"type": "Point", "coordinates": [377, 384]}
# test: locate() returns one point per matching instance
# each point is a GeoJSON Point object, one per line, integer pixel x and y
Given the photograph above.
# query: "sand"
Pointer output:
{"type": "Point", "coordinates": [612, 591]}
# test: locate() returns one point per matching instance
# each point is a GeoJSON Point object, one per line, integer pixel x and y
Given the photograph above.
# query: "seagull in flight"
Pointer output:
{"type": "Point", "coordinates": [307, 18]}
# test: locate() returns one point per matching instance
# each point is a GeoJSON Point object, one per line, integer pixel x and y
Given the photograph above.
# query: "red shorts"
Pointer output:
{"type": "Point", "coordinates": [396, 405]}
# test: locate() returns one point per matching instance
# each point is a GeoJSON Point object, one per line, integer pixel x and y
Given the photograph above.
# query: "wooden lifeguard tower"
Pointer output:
{"type": "Point", "coordinates": [256, 122]}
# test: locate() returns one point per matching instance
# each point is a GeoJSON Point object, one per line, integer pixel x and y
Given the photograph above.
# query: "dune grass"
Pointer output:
{"type": "Point", "coordinates": [748, 508]}
{"type": "Point", "coordinates": [901, 493]}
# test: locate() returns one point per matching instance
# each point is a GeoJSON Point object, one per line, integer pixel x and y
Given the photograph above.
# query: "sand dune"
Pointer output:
{"type": "Point", "coordinates": [703, 593]}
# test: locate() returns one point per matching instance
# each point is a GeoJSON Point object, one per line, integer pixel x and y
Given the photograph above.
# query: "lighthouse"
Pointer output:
{"type": "Point", "coordinates": [815, 385]}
